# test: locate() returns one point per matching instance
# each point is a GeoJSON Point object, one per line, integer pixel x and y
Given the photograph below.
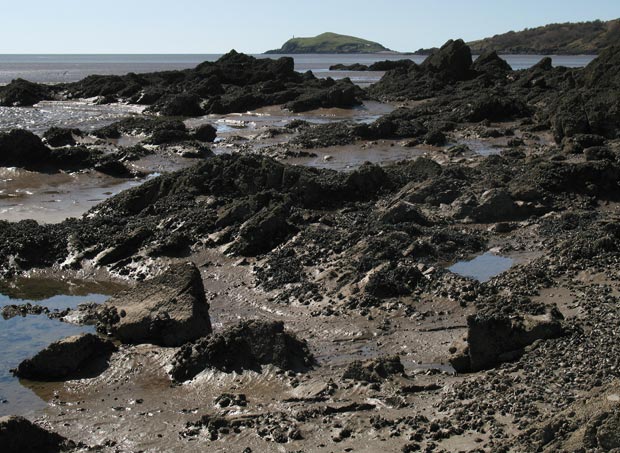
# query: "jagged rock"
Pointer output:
{"type": "Point", "coordinates": [65, 358]}
{"type": "Point", "coordinates": [491, 63]}
{"type": "Point", "coordinates": [494, 338]}
{"type": "Point", "coordinates": [376, 370]}
{"type": "Point", "coordinates": [246, 346]}
{"type": "Point", "coordinates": [168, 310]}
{"type": "Point", "coordinates": [452, 61]}
{"type": "Point", "coordinates": [18, 435]}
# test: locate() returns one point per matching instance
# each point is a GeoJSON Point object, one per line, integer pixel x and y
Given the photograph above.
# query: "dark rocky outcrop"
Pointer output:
{"type": "Point", "coordinates": [22, 93]}
{"type": "Point", "coordinates": [168, 310]}
{"type": "Point", "coordinates": [246, 346]}
{"type": "Point", "coordinates": [21, 148]}
{"type": "Point", "coordinates": [234, 83]}
{"type": "Point", "coordinates": [376, 370]}
{"type": "Point", "coordinates": [386, 65]}
{"type": "Point", "coordinates": [18, 435]}
{"type": "Point", "coordinates": [494, 338]}
{"type": "Point", "coordinates": [58, 136]}
{"type": "Point", "coordinates": [66, 358]}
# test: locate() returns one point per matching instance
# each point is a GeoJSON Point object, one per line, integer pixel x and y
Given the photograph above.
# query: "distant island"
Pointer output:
{"type": "Point", "coordinates": [330, 43]}
{"type": "Point", "coordinates": [554, 39]}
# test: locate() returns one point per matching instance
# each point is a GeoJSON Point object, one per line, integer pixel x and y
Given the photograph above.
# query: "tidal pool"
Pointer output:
{"type": "Point", "coordinates": [22, 337]}
{"type": "Point", "coordinates": [484, 267]}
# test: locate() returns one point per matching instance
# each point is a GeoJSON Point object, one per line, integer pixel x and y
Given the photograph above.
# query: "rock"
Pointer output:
{"type": "Point", "coordinates": [168, 310]}
{"type": "Point", "coordinates": [351, 67]}
{"type": "Point", "coordinates": [492, 339]}
{"type": "Point", "coordinates": [246, 346]}
{"type": "Point", "coordinates": [452, 61]}
{"type": "Point", "coordinates": [391, 280]}
{"type": "Point", "coordinates": [376, 370]}
{"type": "Point", "coordinates": [205, 133]}
{"type": "Point", "coordinates": [598, 153]}
{"type": "Point", "coordinates": [342, 94]}
{"type": "Point", "coordinates": [435, 138]}
{"type": "Point", "coordinates": [183, 104]}
{"type": "Point", "coordinates": [58, 136]}
{"type": "Point", "coordinates": [602, 432]}
{"type": "Point", "coordinates": [19, 147]}
{"type": "Point", "coordinates": [403, 212]}
{"type": "Point", "coordinates": [18, 435]}
{"type": "Point", "coordinates": [262, 232]}
{"type": "Point", "coordinates": [491, 63]}
{"type": "Point", "coordinates": [65, 359]}
{"type": "Point", "coordinates": [21, 93]}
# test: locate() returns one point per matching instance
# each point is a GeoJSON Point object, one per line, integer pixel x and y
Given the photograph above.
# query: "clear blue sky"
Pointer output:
{"type": "Point", "coordinates": [205, 26]}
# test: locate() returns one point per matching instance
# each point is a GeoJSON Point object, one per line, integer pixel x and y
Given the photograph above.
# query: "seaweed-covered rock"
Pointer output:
{"type": "Point", "coordinates": [22, 93]}
{"type": "Point", "coordinates": [65, 359]}
{"type": "Point", "coordinates": [246, 346]}
{"type": "Point", "coordinates": [58, 136]}
{"type": "Point", "coordinates": [205, 133]}
{"type": "Point", "coordinates": [168, 310]}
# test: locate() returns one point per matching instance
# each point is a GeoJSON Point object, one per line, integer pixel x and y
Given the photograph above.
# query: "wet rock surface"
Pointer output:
{"type": "Point", "coordinates": [168, 310]}
{"type": "Point", "coordinates": [65, 359]}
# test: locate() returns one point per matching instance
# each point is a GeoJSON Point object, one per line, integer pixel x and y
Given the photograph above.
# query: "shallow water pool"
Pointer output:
{"type": "Point", "coordinates": [22, 337]}
{"type": "Point", "coordinates": [484, 267]}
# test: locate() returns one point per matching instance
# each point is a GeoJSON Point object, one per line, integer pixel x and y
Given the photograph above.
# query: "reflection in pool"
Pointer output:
{"type": "Point", "coordinates": [484, 267]}
{"type": "Point", "coordinates": [22, 337]}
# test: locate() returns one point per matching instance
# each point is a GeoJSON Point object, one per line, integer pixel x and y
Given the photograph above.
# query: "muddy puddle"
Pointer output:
{"type": "Point", "coordinates": [54, 197]}
{"type": "Point", "coordinates": [349, 157]}
{"type": "Point", "coordinates": [22, 337]}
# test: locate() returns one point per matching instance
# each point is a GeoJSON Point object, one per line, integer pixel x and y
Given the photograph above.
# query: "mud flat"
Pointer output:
{"type": "Point", "coordinates": [282, 294]}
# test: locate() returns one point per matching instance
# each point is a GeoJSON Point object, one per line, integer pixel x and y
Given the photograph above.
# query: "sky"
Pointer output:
{"type": "Point", "coordinates": [205, 26]}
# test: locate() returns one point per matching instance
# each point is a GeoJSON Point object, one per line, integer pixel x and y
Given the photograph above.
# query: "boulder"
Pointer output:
{"type": "Point", "coordinates": [21, 93]}
{"type": "Point", "coordinates": [246, 346]}
{"type": "Point", "coordinates": [19, 147]}
{"type": "Point", "coordinates": [205, 133]}
{"type": "Point", "coordinates": [18, 435]}
{"type": "Point", "coordinates": [183, 104]}
{"type": "Point", "coordinates": [495, 338]}
{"type": "Point", "coordinates": [168, 310]}
{"type": "Point", "coordinates": [65, 359]}
{"type": "Point", "coordinates": [452, 61]}
{"type": "Point", "coordinates": [59, 136]}
{"type": "Point", "coordinates": [376, 370]}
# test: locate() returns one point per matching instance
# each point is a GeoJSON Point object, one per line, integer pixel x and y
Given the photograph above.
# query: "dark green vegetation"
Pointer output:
{"type": "Point", "coordinates": [329, 43]}
{"type": "Point", "coordinates": [588, 38]}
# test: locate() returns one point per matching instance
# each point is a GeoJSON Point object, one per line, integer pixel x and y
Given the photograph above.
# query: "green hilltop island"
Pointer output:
{"type": "Point", "coordinates": [330, 43]}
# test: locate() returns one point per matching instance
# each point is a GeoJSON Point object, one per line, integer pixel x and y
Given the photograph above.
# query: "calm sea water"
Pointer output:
{"type": "Point", "coordinates": [70, 68]}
